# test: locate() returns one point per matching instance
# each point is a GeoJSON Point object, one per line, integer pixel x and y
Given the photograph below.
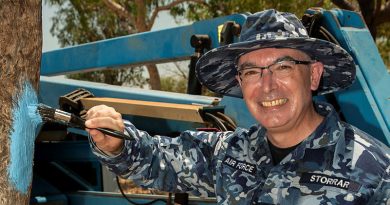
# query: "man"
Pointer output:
{"type": "Point", "coordinates": [299, 153]}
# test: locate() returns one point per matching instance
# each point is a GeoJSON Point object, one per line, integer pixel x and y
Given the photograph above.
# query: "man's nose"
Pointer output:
{"type": "Point", "coordinates": [267, 81]}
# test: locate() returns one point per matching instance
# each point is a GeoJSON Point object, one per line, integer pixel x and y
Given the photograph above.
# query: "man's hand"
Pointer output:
{"type": "Point", "coordinates": [105, 117]}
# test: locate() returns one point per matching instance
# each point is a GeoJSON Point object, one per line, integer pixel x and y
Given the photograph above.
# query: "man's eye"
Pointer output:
{"type": "Point", "coordinates": [283, 66]}
{"type": "Point", "coordinates": [250, 72]}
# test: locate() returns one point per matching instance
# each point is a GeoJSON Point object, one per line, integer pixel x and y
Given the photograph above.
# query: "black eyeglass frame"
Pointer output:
{"type": "Point", "coordinates": [296, 62]}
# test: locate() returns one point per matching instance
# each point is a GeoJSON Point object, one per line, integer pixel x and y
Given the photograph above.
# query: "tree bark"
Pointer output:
{"type": "Point", "coordinates": [344, 4]}
{"type": "Point", "coordinates": [154, 77]}
{"type": "Point", "coordinates": [141, 25]}
{"type": "Point", "coordinates": [20, 55]}
{"type": "Point", "coordinates": [368, 10]}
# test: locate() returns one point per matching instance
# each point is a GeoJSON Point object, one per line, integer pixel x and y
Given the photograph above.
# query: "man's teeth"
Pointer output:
{"type": "Point", "coordinates": [274, 102]}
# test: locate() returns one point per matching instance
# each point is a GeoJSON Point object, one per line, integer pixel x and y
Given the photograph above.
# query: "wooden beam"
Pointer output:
{"type": "Point", "coordinates": [171, 111]}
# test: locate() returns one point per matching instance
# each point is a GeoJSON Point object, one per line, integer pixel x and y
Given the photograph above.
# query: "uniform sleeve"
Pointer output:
{"type": "Point", "coordinates": [182, 164]}
{"type": "Point", "coordinates": [382, 193]}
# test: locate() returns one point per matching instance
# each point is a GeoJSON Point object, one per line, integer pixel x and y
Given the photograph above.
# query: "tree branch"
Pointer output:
{"type": "Point", "coordinates": [367, 8]}
{"type": "Point", "coordinates": [119, 10]}
{"type": "Point", "coordinates": [377, 10]}
{"type": "Point", "coordinates": [181, 72]}
{"type": "Point", "coordinates": [383, 16]}
{"type": "Point", "coordinates": [378, 4]}
{"type": "Point", "coordinates": [167, 7]}
{"type": "Point", "coordinates": [320, 3]}
{"type": "Point", "coordinates": [342, 4]}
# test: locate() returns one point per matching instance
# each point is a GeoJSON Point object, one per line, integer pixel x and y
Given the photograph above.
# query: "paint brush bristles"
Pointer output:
{"type": "Point", "coordinates": [46, 112]}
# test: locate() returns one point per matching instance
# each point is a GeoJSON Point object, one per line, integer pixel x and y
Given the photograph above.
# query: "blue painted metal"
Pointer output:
{"type": "Point", "coordinates": [149, 47]}
{"type": "Point", "coordinates": [370, 94]}
{"type": "Point", "coordinates": [73, 175]}
{"type": "Point", "coordinates": [237, 110]}
{"type": "Point", "coordinates": [69, 151]}
{"type": "Point", "coordinates": [61, 152]}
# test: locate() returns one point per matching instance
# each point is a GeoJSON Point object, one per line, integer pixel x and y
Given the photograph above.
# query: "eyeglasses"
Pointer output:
{"type": "Point", "coordinates": [280, 69]}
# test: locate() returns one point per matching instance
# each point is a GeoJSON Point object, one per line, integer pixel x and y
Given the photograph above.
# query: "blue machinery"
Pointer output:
{"type": "Point", "coordinates": [66, 172]}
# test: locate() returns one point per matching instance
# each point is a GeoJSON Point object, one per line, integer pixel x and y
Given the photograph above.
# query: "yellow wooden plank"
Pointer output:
{"type": "Point", "coordinates": [162, 110]}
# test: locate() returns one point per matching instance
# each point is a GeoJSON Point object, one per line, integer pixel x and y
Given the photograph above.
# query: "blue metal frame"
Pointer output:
{"type": "Point", "coordinates": [366, 104]}
{"type": "Point", "coordinates": [148, 47]}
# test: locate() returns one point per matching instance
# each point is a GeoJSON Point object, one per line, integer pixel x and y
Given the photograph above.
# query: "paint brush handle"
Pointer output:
{"type": "Point", "coordinates": [79, 122]}
{"type": "Point", "coordinates": [114, 133]}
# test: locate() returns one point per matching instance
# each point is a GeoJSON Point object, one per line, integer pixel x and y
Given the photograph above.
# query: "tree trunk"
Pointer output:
{"type": "Point", "coordinates": [154, 77]}
{"type": "Point", "coordinates": [20, 55]}
{"type": "Point", "coordinates": [141, 26]}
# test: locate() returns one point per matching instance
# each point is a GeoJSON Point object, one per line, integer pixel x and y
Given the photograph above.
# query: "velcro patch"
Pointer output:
{"type": "Point", "coordinates": [325, 180]}
{"type": "Point", "coordinates": [240, 165]}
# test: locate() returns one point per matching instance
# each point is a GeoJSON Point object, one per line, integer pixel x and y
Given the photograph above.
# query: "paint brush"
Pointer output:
{"type": "Point", "coordinates": [55, 115]}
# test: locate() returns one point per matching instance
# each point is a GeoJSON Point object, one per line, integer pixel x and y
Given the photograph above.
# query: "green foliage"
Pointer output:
{"type": "Point", "coordinates": [122, 76]}
{"type": "Point", "coordinates": [174, 84]}
{"type": "Point", "coordinates": [82, 21]}
{"type": "Point", "coordinates": [383, 42]}
{"type": "Point", "coordinates": [216, 8]}
{"type": "Point", "coordinates": [179, 85]}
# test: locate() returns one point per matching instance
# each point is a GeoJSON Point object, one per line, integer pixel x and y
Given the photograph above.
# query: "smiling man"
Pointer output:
{"type": "Point", "coordinates": [279, 95]}
{"type": "Point", "coordinates": [298, 153]}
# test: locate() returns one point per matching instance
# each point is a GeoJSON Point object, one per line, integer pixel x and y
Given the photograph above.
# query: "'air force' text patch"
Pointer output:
{"type": "Point", "coordinates": [240, 165]}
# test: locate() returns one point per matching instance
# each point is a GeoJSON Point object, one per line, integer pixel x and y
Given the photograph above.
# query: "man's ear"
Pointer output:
{"type": "Point", "coordinates": [317, 69]}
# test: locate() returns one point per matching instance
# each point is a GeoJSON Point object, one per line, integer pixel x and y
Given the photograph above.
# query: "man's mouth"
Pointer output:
{"type": "Point", "coordinates": [274, 102]}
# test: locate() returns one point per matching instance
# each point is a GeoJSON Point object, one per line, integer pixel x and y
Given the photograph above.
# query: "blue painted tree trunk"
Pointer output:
{"type": "Point", "coordinates": [20, 54]}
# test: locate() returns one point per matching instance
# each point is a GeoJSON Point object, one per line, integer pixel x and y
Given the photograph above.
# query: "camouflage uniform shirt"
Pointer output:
{"type": "Point", "coordinates": [336, 164]}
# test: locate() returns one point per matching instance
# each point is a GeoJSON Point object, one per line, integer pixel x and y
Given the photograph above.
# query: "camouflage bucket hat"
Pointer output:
{"type": "Point", "coordinates": [272, 29]}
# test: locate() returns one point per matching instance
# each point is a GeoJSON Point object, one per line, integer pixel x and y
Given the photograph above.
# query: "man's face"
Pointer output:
{"type": "Point", "coordinates": [281, 99]}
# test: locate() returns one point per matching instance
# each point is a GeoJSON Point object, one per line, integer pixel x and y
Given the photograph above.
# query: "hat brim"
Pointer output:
{"type": "Point", "coordinates": [217, 68]}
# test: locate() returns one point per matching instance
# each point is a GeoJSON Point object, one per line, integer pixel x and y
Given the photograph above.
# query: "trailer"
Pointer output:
{"type": "Point", "coordinates": [65, 170]}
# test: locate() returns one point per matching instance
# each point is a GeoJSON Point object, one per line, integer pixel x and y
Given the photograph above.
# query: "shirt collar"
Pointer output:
{"type": "Point", "coordinates": [329, 130]}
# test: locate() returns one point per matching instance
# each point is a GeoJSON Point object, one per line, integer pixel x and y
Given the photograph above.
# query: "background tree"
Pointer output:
{"type": "Point", "coordinates": [20, 55]}
{"type": "Point", "coordinates": [376, 13]}
{"type": "Point", "coordinates": [177, 79]}
{"type": "Point", "coordinates": [82, 21]}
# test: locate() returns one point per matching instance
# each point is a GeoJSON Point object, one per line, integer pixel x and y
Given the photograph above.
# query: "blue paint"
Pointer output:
{"type": "Point", "coordinates": [26, 124]}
